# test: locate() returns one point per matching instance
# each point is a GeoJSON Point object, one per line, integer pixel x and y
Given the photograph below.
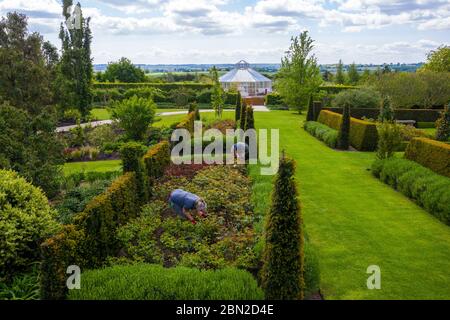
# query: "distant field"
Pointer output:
{"type": "Point", "coordinates": [97, 166]}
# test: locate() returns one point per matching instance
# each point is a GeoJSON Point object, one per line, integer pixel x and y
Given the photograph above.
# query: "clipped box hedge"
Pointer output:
{"type": "Point", "coordinates": [157, 159]}
{"type": "Point", "coordinates": [322, 132]}
{"type": "Point", "coordinates": [363, 134]}
{"type": "Point", "coordinates": [431, 154]}
{"type": "Point", "coordinates": [154, 282]}
{"type": "Point", "coordinates": [430, 190]}
{"type": "Point", "coordinates": [161, 86]}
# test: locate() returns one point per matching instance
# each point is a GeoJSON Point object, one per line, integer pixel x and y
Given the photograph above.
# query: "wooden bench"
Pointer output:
{"type": "Point", "coordinates": [407, 122]}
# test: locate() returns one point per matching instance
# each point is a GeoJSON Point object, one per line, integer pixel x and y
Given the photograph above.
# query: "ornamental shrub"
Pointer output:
{"type": "Point", "coordinates": [157, 159]}
{"type": "Point", "coordinates": [153, 282]}
{"type": "Point", "coordinates": [132, 161]}
{"type": "Point", "coordinates": [250, 120]}
{"type": "Point", "coordinates": [344, 130]}
{"type": "Point", "coordinates": [357, 98]}
{"type": "Point", "coordinates": [243, 118]}
{"type": "Point", "coordinates": [389, 139]}
{"type": "Point", "coordinates": [26, 219]}
{"type": "Point", "coordinates": [323, 133]}
{"type": "Point", "coordinates": [386, 111]}
{"type": "Point", "coordinates": [310, 114]}
{"type": "Point", "coordinates": [238, 106]}
{"type": "Point", "coordinates": [431, 154]}
{"type": "Point", "coordinates": [134, 115]}
{"type": "Point", "coordinates": [443, 125]}
{"type": "Point", "coordinates": [283, 270]}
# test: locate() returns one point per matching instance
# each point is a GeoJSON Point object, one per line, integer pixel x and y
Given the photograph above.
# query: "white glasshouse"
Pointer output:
{"type": "Point", "coordinates": [249, 82]}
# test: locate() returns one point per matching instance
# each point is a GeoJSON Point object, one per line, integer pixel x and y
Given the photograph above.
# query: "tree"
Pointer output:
{"type": "Point", "coordinates": [283, 270]}
{"type": "Point", "coordinates": [238, 106]}
{"type": "Point", "coordinates": [327, 76]}
{"type": "Point", "coordinates": [299, 75]}
{"type": "Point", "coordinates": [217, 93]}
{"type": "Point", "coordinates": [340, 78]}
{"type": "Point", "coordinates": [344, 131]}
{"type": "Point", "coordinates": [386, 111]}
{"type": "Point", "coordinates": [134, 115]}
{"type": "Point", "coordinates": [353, 75]}
{"type": "Point", "coordinates": [123, 71]}
{"type": "Point", "coordinates": [443, 125]}
{"type": "Point", "coordinates": [243, 119]}
{"type": "Point", "coordinates": [389, 139]}
{"type": "Point", "coordinates": [27, 64]}
{"type": "Point", "coordinates": [75, 71]}
{"type": "Point", "coordinates": [438, 60]}
{"type": "Point", "coordinates": [193, 107]}
{"type": "Point", "coordinates": [250, 120]}
{"type": "Point", "coordinates": [310, 114]}
{"type": "Point", "coordinates": [357, 98]}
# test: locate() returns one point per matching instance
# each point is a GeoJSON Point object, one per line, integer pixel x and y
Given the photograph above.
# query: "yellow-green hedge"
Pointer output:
{"type": "Point", "coordinates": [188, 123]}
{"type": "Point", "coordinates": [363, 134]}
{"type": "Point", "coordinates": [157, 159]}
{"type": "Point", "coordinates": [431, 154]}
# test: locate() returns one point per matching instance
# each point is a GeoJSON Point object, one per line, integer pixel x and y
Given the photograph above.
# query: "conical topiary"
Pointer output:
{"type": "Point", "coordinates": [250, 120]}
{"type": "Point", "coordinates": [243, 116]}
{"type": "Point", "coordinates": [443, 125]}
{"type": "Point", "coordinates": [310, 114]}
{"type": "Point", "coordinates": [344, 132]}
{"type": "Point", "coordinates": [238, 106]}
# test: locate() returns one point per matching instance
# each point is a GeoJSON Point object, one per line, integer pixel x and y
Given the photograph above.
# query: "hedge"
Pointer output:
{"type": "Point", "coordinates": [157, 159]}
{"type": "Point", "coordinates": [430, 190]}
{"type": "Point", "coordinates": [363, 134]}
{"type": "Point", "coordinates": [431, 154]}
{"type": "Point", "coordinates": [161, 86]}
{"type": "Point", "coordinates": [187, 123]}
{"type": "Point", "coordinates": [322, 132]}
{"type": "Point", "coordinates": [333, 89]}
{"type": "Point", "coordinates": [274, 99]}
{"type": "Point", "coordinates": [154, 282]}
{"type": "Point", "coordinates": [418, 115]}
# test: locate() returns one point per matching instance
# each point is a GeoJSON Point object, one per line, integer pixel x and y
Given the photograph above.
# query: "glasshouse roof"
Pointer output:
{"type": "Point", "coordinates": [243, 73]}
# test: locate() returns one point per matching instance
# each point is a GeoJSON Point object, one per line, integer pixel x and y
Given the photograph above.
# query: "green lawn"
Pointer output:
{"type": "Point", "coordinates": [356, 221]}
{"type": "Point", "coordinates": [98, 166]}
{"type": "Point", "coordinates": [208, 116]}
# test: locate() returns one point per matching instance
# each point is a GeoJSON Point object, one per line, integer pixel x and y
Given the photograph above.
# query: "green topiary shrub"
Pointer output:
{"type": "Point", "coordinates": [188, 122]}
{"type": "Point", "coordinates": [250, 120]}
{"type": "Point", "coordinates": [443, 125]}
{"type": "Point", "coordinates": [428, 189]}
{"type": "Point", "coordinates": [310, 114]}
{"type": "Point", "coordinates": [243, 118]}
{"type": "Point", "coordinates": [357, 98]}
{"type": "Point", "coordinates": [26, 219]}
{"type": "Point", "coordinates": [387, 113]}
{"type": "Point", "coordinates": [157, 159]}
{"type": "Point", "coordinates": [363, 134]}
{"type": "Point", "coordinates": [238, 107]}
{"type": "Point", "coordinates": [153, 282]}
{"type": "Point", "coordinates": [322, 132]}
{"type": "Point", "coordinates": [274, 99]}
{"type": "Point", "coordinates": [431, 154]}
{"type": "Point", "coordinates": [344, 130]}
{"type": "Point", "coordinates": [283, 270]}
{"type": "Point", "coordinates": [132, 161]}
{"type": "Point", "coordinates": [389, 139]}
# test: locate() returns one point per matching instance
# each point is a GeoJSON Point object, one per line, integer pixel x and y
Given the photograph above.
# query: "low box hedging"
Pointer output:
{"type": "Point", "coordinates": [154, 282]}
{"type": "Point", "coordinates": [428, 189]}
{"type": "Point", "coordinates": [431, 154]}
{"type": "Point", "coordinates": [418, 115]}
{"type": "Point", "coordinates": [363, 134]}
{"type": "Point", "coordinates": [322, 132]}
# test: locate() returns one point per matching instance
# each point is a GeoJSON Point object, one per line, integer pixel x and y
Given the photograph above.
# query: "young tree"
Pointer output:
{"type": "Point", "coordinates": [134, 115]}
{"type": "Point", "coordinates": [243, 119]}
{"type": "Point", "coordinates": [75, 74]}
{"type": "Point", "coordinates": [193, 107]}
{"type": "Point", "coordinates": [238, 106]}
{"type": "Point", "coordinates": [123, 71]}
{"type": "Point", "coordinates": [340, 77]}
{"type": "Point", "coordinates": [443, 125]}
{"type": "Point", "coordinates": [250, 121]}
{"type": "Point", "coordinates": [217, 93]}
{"type": "Point", "coordinates": [386, 111]}
{"type": "Point", "coordinates": [344, 131]}
{"type": "Point", "coordinates": [310, 114]}
{"type": "Point", "coordinates": [283, 270]}
{"type": "Point", "coordinates": [353, 75]}
{"type": "Point", "coordinates": [389, 138]}
{"type": "Point", "coordinates": [299, 75]}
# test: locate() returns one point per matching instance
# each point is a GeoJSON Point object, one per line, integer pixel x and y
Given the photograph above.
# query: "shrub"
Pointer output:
{"type": "Point", "coordinates": [274, 99]}
{"type": "Point", "coordinates": [72, 115]}
{"type": "Point", "coordinates": [188, 122]}
{"type": "Point", "coordinates": [243, 117]}
{"type": "Point", "coordinates": [386, 111]}
{"type": "Point", "coordinates": [443, 125]}
{"type": "Point", "coordinates": [344, 130]}
{"type": "Point", "coordinates": [132, 161]}
{"type": "Point", "coordinates": [238, 107]}
{"type": "Point", "coordinates": [134, 115]}
{"type": "Point", "coordinates": [157, 159]}
{"type": "Point", "coordinates": [283, 271]}
{"type": "Point", "coordinates": [145, 93]}
{"type": "Point", "coordinates": [426, 125]}
{"type": "Point", "coordinates": [250, 120]}
{"type": "Point", "coordinates": [322, 132]}
{"type": "Point", "coordinates": [431, 154]}
{"type": "Point", "coordinates": [389, 139]}
{"type": "Point", "coordinates": [310, 114]}
{"type": "Point", "coordinates": [430, 190]}
{"type": "Point", "coordinates": [153, 282]}
{"type": "Point", "coordinates": [363, 134]}
{"type": "Point", "coordinates": [26, 220]}
{"type": "Point", "coordinates": [101, 135]}
{"type": "Point", "coordinates": [357, 98]}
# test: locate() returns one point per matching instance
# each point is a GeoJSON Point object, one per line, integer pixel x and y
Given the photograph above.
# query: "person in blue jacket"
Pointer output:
{"type": "Point", "coordinates": [182, 201]}
{"type": "Point", "coordinates": [240, 152]}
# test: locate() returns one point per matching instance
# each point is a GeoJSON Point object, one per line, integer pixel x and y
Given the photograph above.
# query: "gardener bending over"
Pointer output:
{"type": "Point", "coordinates": [181, 201]}
{"type": "Point", "coordinates": [240, 152]}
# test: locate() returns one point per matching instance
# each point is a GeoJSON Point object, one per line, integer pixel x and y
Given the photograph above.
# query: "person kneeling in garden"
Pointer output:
{"type": "Point", "coordinates": [182, 201]}
{"type": "Point", "coordinates": [240, 152]}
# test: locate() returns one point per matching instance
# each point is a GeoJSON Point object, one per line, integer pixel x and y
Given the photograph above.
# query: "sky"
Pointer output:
{"type": "Point", "coordinates": [259, 31]}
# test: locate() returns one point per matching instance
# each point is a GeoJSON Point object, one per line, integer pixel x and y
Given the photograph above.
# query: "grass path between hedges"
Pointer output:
{"type": "Point", "coordinates": [355, 221]}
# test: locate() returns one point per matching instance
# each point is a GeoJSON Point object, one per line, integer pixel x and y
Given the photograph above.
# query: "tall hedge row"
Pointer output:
{"type": "Point", "coordinates": [92, 238]}
{"type": "Point", "coordinates": [431, 154]}
{"type": "Point", "coordinates": [162, 86]}
{"type": "Point", "coordinates": [363, 134]}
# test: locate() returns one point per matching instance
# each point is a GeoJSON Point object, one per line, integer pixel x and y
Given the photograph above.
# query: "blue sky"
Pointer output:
{"type": "Point", "coordinates": [225, 31]}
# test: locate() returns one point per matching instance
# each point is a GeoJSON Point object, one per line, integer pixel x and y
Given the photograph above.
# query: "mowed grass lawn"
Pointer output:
{"type": "Point", "coordinates": [96, 166]}
{"type": "Point", "coordinates": [355, 221]}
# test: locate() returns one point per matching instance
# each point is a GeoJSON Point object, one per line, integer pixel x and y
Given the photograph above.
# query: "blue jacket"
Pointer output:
{"type": "Point", "coordinates": [183, 199]}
